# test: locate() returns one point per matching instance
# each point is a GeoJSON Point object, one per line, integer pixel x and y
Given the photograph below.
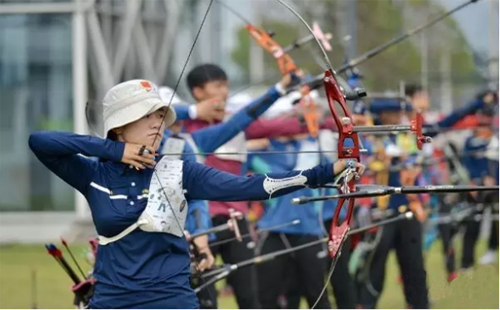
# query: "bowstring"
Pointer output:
{"type": "Point", "coordinates": [87, 107]}
{"type": "Point", "coordinates": [165, 115]}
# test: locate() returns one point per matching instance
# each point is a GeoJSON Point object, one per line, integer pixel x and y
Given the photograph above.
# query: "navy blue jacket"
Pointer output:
{"type": "Point", "coordinates": [476, 161]}
{"type": "Point", "coordinates": [143, 269]}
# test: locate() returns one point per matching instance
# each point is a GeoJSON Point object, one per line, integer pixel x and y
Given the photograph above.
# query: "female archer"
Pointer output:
{"type": "Point", "coordinates": [138, 199]}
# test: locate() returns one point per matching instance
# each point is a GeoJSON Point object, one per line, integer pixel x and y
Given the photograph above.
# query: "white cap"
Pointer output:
{"type": "Point", "coordinates": [286, 104]}
{"type": "Point", "coordinates": [129, 101]}
{"type": "Point", "coordinates": [167, 94]}
{"type": "Point", "coordinates": [282, 105]}
{"type": "Point", "coordinates": [237, 102]}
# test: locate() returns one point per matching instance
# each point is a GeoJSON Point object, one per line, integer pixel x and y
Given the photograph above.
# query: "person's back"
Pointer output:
{"type": "Point", "coordinates": [295, 267]}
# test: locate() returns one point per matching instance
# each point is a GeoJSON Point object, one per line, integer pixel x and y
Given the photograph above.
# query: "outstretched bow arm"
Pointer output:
{"type": "Point", "coordinates": [202, 182]}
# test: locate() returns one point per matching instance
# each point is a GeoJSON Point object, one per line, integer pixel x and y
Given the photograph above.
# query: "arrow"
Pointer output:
{"type": "Point", "coordinates": [71, 254]}
{"type": "Point", "coordinates": [57, 254]}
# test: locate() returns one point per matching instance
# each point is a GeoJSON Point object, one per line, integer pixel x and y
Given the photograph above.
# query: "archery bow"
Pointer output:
{"type": "Point", "coordinates": [286, 64]}
{"type": "Point", "coordinates": [349, 133]}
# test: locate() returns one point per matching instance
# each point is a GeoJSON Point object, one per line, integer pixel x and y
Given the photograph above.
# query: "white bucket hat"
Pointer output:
{"type": "Point", "coordinates": [129, 101]}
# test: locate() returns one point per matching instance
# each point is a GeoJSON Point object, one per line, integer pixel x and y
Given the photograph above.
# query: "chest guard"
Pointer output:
{"type": "Point", "coordinates": [166, 209]}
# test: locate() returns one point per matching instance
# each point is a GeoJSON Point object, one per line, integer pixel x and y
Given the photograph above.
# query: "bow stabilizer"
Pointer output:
{"type": "Point", "coordinates": [404, 190]}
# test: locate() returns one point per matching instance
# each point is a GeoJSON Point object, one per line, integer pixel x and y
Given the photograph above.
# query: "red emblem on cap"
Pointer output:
{"type": "Point", "coordinates": [146, 85]}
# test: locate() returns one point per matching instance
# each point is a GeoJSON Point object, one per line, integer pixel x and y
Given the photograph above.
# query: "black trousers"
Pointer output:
{"type": "Point", "coordinates": [446, 233]}
{"type": "Point", "coordinates": [493, 240]}
{"type": "Point", "coordinates": [243, 281]}
{"type": "Point", "coordinates": [303, 266]}
{"type": "Point", "coordinates": [291, 300]}
{"type": "Point", "coordinates": [343, 285]}
{"type": "Point", "coordinates": [406, 238]}
{"type": "Point", "coordinates": [344, 288]}
{"type": "Point", "coordinates": [473, 227]}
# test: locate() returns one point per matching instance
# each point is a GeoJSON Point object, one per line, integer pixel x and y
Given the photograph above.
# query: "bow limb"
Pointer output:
{"type": "Point", "coordinates": [286, 66]}
{"type": "Point", "coordinates": [285, 62]}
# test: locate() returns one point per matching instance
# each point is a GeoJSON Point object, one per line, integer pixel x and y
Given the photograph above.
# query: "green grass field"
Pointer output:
{"type": "Point", "coordinates": [19, 264]}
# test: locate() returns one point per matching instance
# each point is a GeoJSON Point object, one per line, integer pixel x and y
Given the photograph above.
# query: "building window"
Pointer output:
{"type": "Point", "coordinates": [35, 94]}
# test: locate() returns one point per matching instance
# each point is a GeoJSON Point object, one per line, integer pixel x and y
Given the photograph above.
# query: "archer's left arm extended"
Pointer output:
{"type": "Point", "coordinates": [211, 138]}
{"type": "Point", "coordinates": [282, 127]}
{"type": "Point", "coordinates": [202, 182]}
{"type": "Point", "coordinates": [456, 116]}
